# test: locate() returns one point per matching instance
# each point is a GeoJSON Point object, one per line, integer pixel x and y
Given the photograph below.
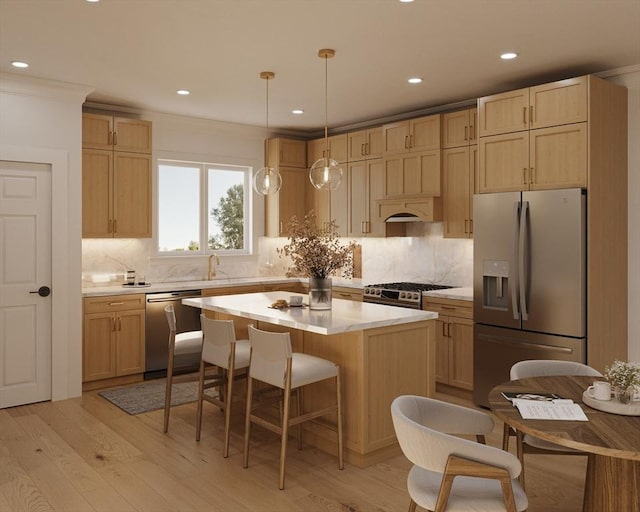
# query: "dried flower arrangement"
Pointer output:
{"type": "Point", "coordinates": [316, 252]}
{"type": "Point", "coordinates": [623, 375]}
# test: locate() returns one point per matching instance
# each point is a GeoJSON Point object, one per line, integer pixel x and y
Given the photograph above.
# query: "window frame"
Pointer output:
{"type": "Point", "coordinates": [204, 169]}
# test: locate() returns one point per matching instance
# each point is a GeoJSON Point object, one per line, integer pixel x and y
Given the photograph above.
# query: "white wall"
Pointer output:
{"type": "Point", "coordinates": [41, 121]}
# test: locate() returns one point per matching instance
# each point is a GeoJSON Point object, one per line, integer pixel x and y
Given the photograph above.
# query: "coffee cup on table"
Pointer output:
{"type": "Point", "coordinates": [295, 300]}
{"type": "Point", "coordinates": [600, 390]}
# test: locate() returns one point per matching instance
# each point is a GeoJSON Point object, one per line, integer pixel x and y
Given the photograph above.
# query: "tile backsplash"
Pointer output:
{"type": "Point", "coordinates": [425, 256]}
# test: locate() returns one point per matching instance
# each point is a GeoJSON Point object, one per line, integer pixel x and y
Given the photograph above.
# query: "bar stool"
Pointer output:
{"type": "Point", "coordinates": [184, 343]}
{"type": "Point", "coordinates": [274, 363]}
{"type": "Point", "coordinates": [220, 349]}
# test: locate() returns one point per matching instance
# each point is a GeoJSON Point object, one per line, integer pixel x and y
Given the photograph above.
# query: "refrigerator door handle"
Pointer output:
{"type": "Point", "coordinates": [514, 260]}
{"type": "Point", "coordinates": [522, 271]}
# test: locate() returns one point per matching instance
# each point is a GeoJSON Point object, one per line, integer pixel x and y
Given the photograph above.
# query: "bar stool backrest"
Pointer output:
{"type": "Point", "coordinates": [269, 354]}
{"type": "Point", "coordinates": [218, 338]}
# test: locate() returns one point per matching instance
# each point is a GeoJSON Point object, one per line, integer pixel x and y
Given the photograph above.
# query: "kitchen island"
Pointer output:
{"type": "Point", "coordinates": [383, 352]}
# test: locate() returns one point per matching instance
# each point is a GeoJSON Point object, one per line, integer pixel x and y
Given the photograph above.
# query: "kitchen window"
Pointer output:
{"type": "Point", "coordinates": [202, 208]}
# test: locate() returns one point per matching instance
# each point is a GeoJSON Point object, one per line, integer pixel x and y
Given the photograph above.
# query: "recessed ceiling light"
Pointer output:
{"type": "Point", "coordinates": [406, 1]}
{"type": "Point", "coordinates": [415, 80]}
{"type": "Point", "coordinates": [183, 92]}
{"type": "Point", "coordinates": [297, 111]}
{"type": "Point", "coordinates": [508, 55]}
{"type": "Point", "coordinates": [19, 64]}
{"type": "Point", "coordinates": [93, 1]}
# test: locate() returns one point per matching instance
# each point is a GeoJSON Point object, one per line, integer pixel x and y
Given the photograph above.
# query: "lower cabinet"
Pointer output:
{"type": "Point", "coordinates": [113, 341]}
{"type": "Point", "coordinates": [454, 341]}
{"type": "Point", "coordinates": [342, 292]}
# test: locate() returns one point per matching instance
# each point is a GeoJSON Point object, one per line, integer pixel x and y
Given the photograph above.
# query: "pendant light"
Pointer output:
{"type": "Point", "coordinates": [267, 180]}
{"type": "Point", "coordinates": [325, 173]}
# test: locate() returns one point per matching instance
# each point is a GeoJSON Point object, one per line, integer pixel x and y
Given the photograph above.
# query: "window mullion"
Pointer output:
{"type": "Point", "coordinates": [204, 209]}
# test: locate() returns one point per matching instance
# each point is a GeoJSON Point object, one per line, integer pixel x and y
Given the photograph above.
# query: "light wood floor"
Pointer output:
{"type": "Point", "coordinates": [85, 454]}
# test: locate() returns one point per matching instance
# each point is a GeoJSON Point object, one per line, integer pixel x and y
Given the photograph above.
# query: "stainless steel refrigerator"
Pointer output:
{"type": "Point", "coordinates": [529, 289]}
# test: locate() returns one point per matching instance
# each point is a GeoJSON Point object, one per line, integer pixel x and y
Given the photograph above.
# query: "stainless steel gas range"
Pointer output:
{"type": "Point", "coordinates": [406, 295]}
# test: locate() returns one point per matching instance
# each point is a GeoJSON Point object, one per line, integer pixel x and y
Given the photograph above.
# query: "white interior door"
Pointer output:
{"type": "Point", "coordinates": [25, 268]}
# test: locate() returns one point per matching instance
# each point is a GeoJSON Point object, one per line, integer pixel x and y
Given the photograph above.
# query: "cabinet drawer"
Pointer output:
{"type": "Point", "coordinates": [459, 308]}
{"type": "Point", "coordinates": [113, 303]}
{"type": "Point", "coordinates": [346, 293]}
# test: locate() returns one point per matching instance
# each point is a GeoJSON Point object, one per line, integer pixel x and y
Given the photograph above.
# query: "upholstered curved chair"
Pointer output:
{"type": "Point", "coordinates": [220, 349]}
{"type": "Point", "coordinates": [274, 363]}
{"type": "Point", "coordinates": [541, 368]}
{"type": "Point", "coordinates": [451, 473]}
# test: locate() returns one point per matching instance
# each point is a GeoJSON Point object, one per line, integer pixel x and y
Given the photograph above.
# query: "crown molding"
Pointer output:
{"type": "Point", "coordinates": [11, 83]}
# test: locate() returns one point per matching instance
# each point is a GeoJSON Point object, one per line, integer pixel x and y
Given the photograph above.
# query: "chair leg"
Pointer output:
{"type": "Point", "coordinates": [285, 425]}
{"type": "Point", "coordinates": [227, 412]}
{"type": "Point", "coordinates": [505, 437]}
{"type": "Point", "coordinates": [200, 395]}
{"type": "Point", "coordinates": [412, 506]}
{"type": "Point", "coordinates": [167, 395]}
{"type": "Point", "coordinates": [299, 412]}
{"type": "Point", "coordinates": [339, 411]}
{"type": "Point", "coordinates": [520, 454]}
{"type": "Point", "coordinates": [247, 423]}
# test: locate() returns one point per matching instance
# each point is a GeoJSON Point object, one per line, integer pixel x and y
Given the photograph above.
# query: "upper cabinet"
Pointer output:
{"type": "Point", "coordinates": [290, 200]}
{"type": "Point", "coordinates": [535, 138]}
{"type": "Point", "coordinates": [553, 104]}
{"type": "Point", "coordinates": [116, 133]}
{"type": "Point", "coordinates": [365, 186]}
{"type": "Point", "coordinates": [460, 128]}
{"type": "Point", "coordinates": [458, 183]}
{"type": "Point", "coordinates": [419, 134]}
{"type": "Point", "coordinates": [365, 144]}
{"type": "Point", "coordinates": [116, 177]}
{"type": "Point", "coordinates": [337, 149]}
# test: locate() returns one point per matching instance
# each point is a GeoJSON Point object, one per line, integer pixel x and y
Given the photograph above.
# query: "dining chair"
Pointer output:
{"type": "Point", "coordinates": [526, 443]}
{"type": "Point", "coordinates": [221, 350]}
{"type": "Point", "coordinates": [452, 473]}
{"type": "Point", "coordinates": [184, 343]}
{"type": "Point", "coordinates": [273, 362]}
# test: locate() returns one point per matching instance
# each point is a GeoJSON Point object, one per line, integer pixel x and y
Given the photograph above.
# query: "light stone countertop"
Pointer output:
{"type": "Point", "coordinates": [344, 316]}
{"type": "Point", "coordinates": [174, 286]}
{"type": "Point", "coordinates": [451, 293]}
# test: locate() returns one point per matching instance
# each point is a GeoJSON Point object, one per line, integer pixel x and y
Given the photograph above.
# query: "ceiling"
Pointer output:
{"type": "Point", "coordinates": [137, 53]}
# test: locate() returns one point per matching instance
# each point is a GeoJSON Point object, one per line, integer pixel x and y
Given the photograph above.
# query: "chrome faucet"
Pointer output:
{"type": "Point", "coordinates": [212, 271]}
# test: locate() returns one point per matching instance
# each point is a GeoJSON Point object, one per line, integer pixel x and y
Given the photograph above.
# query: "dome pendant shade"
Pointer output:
{"type": "Point", "coordinates": [325, 174]}
{"type": "Point", "coordinates": [267, 180]}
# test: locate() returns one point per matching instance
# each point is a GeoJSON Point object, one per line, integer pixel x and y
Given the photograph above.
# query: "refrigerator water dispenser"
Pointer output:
{"type": "Point", "coordinates": [495, 277]}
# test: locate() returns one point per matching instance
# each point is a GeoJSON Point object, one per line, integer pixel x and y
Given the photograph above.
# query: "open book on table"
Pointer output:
{"type": "Point", "coordinates": [545, 406]}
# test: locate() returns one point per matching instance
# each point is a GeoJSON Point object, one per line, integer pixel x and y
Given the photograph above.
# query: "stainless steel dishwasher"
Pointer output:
{"type": "Point", "coordinates": [157, 332]}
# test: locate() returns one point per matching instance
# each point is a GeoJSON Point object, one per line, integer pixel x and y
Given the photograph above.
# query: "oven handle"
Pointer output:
{"type": "Point", "coordinates": [173, 299]}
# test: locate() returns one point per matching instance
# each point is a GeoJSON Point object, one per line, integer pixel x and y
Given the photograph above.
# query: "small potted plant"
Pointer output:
{"type": "Point", "coordinates": [317, 253]}
{"type": "Point", "coordinates": [624, 377]}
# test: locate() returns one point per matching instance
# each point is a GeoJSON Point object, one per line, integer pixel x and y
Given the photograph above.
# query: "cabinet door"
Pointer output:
{"type": "Point", "coordinates": [375, 145]}
{"type": "Point", "coordinates": [456, 192]}
{"type": "Point", "coordinates": [425, 133]}
{"type": "Point", "coordinates": [455, 129]}
{"type": "Point", "coordinates": [442, 350]}
{"type": "Point", "coordinates": [292, 153]}
{"type": "Point", "coordinates": [357, 198]}
{"type": "Point", "coordinates": [338, 148]}
{"type": "Point", "coordinates": [460, 332]}
{"type": "Point", "coordinates": [421, 173]}
{"type": "Point", "coordinates": [340, 205]}
{"type": "Point", "coordinates": [99, 346]}
{"type": "Point", "coordinates": [132, 195]}
{"type": "Point", "coordinates": [473, 126]}
{"type": "Point", "coordinates": [322, 206]}
{"type": "Point", "coordinates": [395, 137]}
{"type": "Point", "coordinates": [315, 150]}
{"type": "Point", "coordinates": [503, 113]}
{"type": "Point", "coordinates": [473, 182]}
{"type": "Point", "coordinates": [558, 157]}
{"type": "Point", "coordinates": [504, 163]}
{"type": "Point", "coordinates": [375, 191]}
{"type": "Point", "coordinates": [97, 131]}
{"type": "Point", "coordinates": [132, 135]}
{"type": "Point", "coordinates": [97, 176]}
{"type": "Point", "coordinates": [357, 145]}
{"type": "Point", "coordinates": [291, 197]}
{"type": "Point", "coordinates": [558, 103]}
{"type": "Point", "coordinates": [129, 342]}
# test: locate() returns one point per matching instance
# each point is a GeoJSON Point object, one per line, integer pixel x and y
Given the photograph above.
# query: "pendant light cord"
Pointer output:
{"type": "Point", "coordinates": [326, 137]}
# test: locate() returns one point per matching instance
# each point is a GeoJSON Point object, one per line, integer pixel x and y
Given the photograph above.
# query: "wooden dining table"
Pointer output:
{"type": "Point", "coordinates": [611, 441]}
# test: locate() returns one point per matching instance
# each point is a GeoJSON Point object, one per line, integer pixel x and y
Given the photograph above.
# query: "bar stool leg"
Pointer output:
{"type": "Point", "coordinates": [299, 412]}
{"type": "Point", "coordinates": [285, 424]}
{"type": "Point", "coordinates": [167, 393]}
{"type": "Point", "coordinates": [227, 411]}
{"type": "Point", "coordinates": [340, 439]}
{"type": "Point", "coordinates": [247, 422]}
{"type": "Point", "coordinates": [200, 396]}
{"type": "Point", "coordinates": [520, 453]}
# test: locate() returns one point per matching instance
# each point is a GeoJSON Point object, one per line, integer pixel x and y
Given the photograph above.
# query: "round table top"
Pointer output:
{"type": "Point", "coordinates": [606, 434]}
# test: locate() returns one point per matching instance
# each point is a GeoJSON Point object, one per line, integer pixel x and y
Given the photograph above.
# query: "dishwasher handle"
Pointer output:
{"type": "Point", "coordinates": [174, 297]}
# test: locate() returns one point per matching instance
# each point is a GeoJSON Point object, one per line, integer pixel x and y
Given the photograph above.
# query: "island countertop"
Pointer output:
{"type": "Point", "coordinates": [344, 316]}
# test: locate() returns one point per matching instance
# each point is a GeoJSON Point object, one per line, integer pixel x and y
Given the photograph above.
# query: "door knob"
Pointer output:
{"type": "Point", "coordinates": [43, 291]}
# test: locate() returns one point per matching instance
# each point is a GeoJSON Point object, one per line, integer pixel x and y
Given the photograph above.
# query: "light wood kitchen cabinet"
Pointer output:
{"type": "Point", "coordinates": [116, 133]}
{"type": "Point", "coordinates": [342, 292]}
{"type": "Point", "coordinates": [552, 104]}
{"type": "Point", "coordinates": [458, 183]}
{"type": "Point", "coordinates": [419, 134]}
{"type": "Point", "coordinates": [365, 144]}
{"type": "Point", "coordinates": [317, 148]}
{"type": "Point", "coordinates": [412, 174]}
{"type": "Point", "coordinates": [454, 341]}
{"type": "Point", "coordinates": [459, 128]}
{"type": "Point", "coordinates": [116, 177]}
{"type": "Point", "coordinates": [292, 198]}
{"type": "Point", "coordinates": [113, 341]}
{"type": "Point", "coordinates": [365, 186]}
{"type": "Point", "coordinates": [332, 205]}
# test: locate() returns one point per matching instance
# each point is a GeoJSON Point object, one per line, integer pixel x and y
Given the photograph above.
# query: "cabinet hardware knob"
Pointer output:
{"type": "Point", "coordinates": [531, 115]}
{"type": "Point", "coordinates": [524, 176]}
{"type": "Point", "coordinates": [116, 303]}
{"type": "Point", "coordinates": [532, 176]}
{"type": "Point", "coordinates": [466, 132]}
{"type": "Point", "coordinates": [113, 324]}
{"type": "Point", "coordinates": [362, 149]}
{"type": "Point", "coordinates": [524, 115]}
{"type": "Point", "coordinates": [115, 138]}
